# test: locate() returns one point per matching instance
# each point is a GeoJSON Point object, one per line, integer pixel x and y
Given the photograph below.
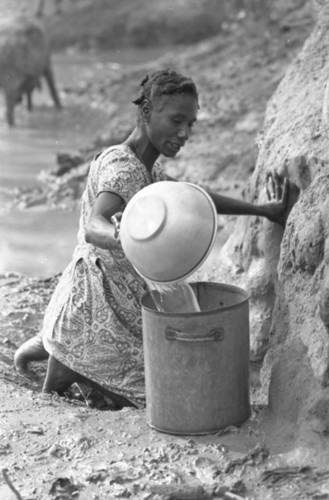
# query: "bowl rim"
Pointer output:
{"type": "Point", "coordinates": [207, 252]}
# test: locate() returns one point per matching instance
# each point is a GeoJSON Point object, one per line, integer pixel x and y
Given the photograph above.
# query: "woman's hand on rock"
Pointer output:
{"type": "Point", "coordinates": [281, 196]}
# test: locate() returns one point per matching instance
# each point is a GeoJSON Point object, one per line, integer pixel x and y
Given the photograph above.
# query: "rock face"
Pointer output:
{"type": "Point", "coordinates": [287, 271]}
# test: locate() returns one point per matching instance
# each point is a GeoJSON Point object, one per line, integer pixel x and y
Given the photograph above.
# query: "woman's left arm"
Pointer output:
{"type": "Point", "coordinates": [275, 210]}
{"type": "Point", "coordinates": [169, 178]}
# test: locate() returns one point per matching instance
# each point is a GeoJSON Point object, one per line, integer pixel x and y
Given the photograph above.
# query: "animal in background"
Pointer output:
{"type": "Point", "coordinates": [27, 88]}
{"type": "Point", "coordinates": [25, 59]}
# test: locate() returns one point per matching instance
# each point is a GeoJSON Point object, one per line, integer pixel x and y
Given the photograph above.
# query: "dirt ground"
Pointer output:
{"type": "Point", "coordinates": [77, 447]}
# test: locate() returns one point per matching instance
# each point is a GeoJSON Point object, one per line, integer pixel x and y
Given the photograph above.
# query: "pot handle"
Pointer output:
{"type": "Point", "coordinates": [214, 335]}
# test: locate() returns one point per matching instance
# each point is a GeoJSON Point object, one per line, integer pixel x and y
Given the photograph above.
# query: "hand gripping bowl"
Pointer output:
{"type": "Point", "coordinates": [168, 229]}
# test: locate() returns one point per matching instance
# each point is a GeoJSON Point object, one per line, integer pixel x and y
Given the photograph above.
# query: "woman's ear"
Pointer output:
{"type": "Point", "coordinates": [146, 110]}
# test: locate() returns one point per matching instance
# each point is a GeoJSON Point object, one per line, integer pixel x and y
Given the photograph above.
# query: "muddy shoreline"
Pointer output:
{"type": "Point", "coordinates": [76, 447]}
{"type": "Point", "coordinates": [56, 446]}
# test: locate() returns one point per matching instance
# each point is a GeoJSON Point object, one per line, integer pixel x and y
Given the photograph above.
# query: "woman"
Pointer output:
{"type": "Point", "coordinates": [92, 328]}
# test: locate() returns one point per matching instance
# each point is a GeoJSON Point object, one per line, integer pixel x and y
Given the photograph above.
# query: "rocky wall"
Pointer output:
{"type": "Point", "coordinates": [286, 271]}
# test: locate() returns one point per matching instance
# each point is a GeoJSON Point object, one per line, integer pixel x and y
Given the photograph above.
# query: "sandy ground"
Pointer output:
{"type": "Point", "coordinates": [76, 447]}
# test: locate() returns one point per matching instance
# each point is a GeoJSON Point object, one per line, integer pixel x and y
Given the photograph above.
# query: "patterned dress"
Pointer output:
{"type": "Point", "coordinates": [93, 322]}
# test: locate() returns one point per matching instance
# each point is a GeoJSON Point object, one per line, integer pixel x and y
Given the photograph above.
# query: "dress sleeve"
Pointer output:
{"type": "Point", "coordinates": [120, 173]}
{"type": "Point", "coordinates": [159, 173]}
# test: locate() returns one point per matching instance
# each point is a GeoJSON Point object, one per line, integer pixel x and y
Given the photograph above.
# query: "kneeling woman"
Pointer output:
{"type": "Point", "coordinates": [92, 330]}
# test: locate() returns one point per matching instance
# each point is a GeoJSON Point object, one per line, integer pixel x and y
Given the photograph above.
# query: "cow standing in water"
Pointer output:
{"type": "Point", "coordinates": [25, 59]}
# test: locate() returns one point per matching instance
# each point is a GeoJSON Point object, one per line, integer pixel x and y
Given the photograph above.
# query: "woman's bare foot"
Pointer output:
{"type": "Point", "coordinates": [59, 378]}
{"type": "Point", "coordinates": [31, 350]}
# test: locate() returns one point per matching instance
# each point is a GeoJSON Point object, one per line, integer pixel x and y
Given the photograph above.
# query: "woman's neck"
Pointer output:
{"type": "Point", "coordinates": [142, 148]}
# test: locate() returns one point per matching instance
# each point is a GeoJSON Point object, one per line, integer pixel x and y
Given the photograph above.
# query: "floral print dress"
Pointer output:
{"type": "Point", "coordinates": [93, 323]}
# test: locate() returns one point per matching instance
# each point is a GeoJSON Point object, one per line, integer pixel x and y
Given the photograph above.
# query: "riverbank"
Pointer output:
{"type": "Point", "coordinates": [236, 73]}
{"type": "Point", "coordinates": [75, 446]}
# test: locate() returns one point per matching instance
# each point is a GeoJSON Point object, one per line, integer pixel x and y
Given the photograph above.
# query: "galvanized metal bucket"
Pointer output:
{"type": "Point", "coordinates": [197, 364]}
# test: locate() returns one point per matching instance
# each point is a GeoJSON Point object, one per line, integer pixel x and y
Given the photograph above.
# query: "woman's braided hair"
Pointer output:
{"type": "Point", "coordinates": [165, 82]}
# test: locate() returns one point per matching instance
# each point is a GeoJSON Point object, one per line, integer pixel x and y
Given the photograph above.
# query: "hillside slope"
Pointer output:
{"type": "Point", "coordinates": [236, 72]}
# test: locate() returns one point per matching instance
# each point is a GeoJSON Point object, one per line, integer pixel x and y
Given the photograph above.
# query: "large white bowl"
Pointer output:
{"type": "Point", "coordinates": [168, 229]}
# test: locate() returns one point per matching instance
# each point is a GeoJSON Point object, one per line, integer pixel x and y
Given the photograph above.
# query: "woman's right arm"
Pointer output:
{"type": "Point", "coordinates": [99, 230]}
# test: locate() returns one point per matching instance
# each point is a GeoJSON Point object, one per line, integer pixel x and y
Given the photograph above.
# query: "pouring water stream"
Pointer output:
{"type": "Point", "coordinates": [177, 297]}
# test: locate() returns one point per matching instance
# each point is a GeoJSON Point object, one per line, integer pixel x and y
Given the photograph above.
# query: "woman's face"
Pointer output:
{"type": "Point", "coordinates": [170, 122]}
